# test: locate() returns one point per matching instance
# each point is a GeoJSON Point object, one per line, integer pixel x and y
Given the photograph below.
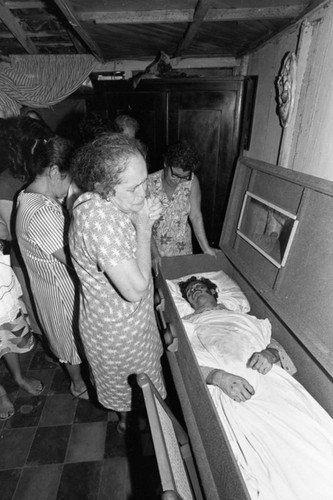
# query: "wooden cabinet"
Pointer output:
{"type": "Point", "coordinates": [206, 113]}
{"type": "Point", "coordinates": [147, 105]}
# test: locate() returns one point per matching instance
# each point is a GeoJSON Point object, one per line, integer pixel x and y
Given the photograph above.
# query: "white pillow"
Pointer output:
{"type": "Point", "coordinates": [229, 293]}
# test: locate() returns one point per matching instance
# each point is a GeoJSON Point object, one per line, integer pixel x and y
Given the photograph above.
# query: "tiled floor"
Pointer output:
{"type": "Point", "coordinates": [57, 447]}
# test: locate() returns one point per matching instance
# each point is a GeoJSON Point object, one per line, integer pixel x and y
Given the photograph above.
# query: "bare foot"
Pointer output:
{"type": "Point", "coordinates": [6, 406]}
{"type": "Point", "coordinates": [31, 385]}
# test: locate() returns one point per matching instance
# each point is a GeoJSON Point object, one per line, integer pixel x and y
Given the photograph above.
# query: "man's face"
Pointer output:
{"type": "Point", "coordinates": [199, 295]}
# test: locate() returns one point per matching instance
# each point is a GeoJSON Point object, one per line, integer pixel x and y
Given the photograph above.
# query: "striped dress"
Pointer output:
{"type": "Point", "coordinates": [41, 228]}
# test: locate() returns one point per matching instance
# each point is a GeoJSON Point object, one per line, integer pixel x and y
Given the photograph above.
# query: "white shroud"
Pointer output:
{"type": "Point", "coordinates": [282, 438]}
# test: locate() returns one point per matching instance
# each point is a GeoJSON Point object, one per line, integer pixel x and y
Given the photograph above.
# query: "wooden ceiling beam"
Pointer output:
{"type": "Point", "coordinates": [187, 15]}
{"type": "Point", "coordinates": [69, 14]}
{"type": "Point", "coordinates": [186, 63]}
{"type": "Point", "coordinates": [76, 43]}
{"type": "Point", "coordinates": [34, 34]}
{"type": "Point", "coordinates": [14, 26]}
{"type": "Point", "coordinates": [25, 5]}
{"type": "Point", "coordinates": [54, 45]}
{"type": "Point", "coordinates": [201, 10]}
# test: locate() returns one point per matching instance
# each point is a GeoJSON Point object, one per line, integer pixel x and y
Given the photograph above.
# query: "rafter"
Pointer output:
{"type": "Point", "coordinates": [34, 34]}
{"type": "Point", "coordinates": [25, 5]}
{"type": "Point", "coordinates": [15, 28]}
{"type": "Point", "coordinates": [68, 11]}
{"type": "Point", "coordinates": [201, 10]}
{"type": "Point", "coordinates": [76, 42]}
{"type": "Point", "coordinates": [186, 15]}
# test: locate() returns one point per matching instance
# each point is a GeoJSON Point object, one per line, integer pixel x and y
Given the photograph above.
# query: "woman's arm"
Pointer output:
{"type": "Point", "coordinates": [156, 256]}
{"type": "Point", "coordinates": [63, 255]}
{"type": "Point", "coordinates": [6, 208]}
{"type": "Point", "coordinates": [196, 218]}
{"type": "Point", "coordinates": [4, 233]}
{"type": "Point", "coordinates": [131, 278]}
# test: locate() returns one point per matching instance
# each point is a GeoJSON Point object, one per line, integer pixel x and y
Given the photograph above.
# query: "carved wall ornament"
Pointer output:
{"type": "Point", "coordinates": [286, 86]}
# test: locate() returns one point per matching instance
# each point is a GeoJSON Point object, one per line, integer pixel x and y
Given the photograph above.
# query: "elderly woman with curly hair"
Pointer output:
{"type": "Point", "coordinates": [178, 189]}
{"type": "Point", "coordinates": [110, 241]}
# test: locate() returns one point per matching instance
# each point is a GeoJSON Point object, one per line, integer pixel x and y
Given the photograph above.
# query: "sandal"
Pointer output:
{"type": "Point", "coordinates": [121, 428]}
{"type": "Point", "coordinates": [79, 395]}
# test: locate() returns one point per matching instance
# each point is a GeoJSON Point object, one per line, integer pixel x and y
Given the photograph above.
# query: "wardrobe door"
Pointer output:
{"type": "Point", "coordinates": [147, 104]}
{"type": "Point", "coordinates": [208, 116]}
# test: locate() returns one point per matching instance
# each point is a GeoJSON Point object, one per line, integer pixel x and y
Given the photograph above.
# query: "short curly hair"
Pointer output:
{"type": "Point", "coordinates": [125, 121]}
{"type": "Point", "coordinates": [182, 155]}
{"type": "Point", "coordinates": [97, 166]}
{"type": "Point", "coordinates": [92, 125]}
{"type": "Point", "coordinates": [183, 285]}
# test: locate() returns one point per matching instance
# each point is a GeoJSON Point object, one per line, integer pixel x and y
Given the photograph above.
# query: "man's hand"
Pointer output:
{"type": "Point", "coordinates": [261, 361]}
{"type": "Point", "coordinates": [237, 388]}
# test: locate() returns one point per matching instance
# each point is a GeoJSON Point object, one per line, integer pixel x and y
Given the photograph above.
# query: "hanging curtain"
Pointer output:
{"type": "Point", "coordinates": [40, 81]}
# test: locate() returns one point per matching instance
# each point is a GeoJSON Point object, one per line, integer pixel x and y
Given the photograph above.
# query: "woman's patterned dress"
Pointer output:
{"type": "Point", "coordinates": [120, 338]}
{"type": "Point", "coordinates": [172, 232]}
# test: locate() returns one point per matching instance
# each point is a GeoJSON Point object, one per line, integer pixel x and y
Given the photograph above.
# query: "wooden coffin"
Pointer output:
{"type": "Point", "coordinates": [291, 285]}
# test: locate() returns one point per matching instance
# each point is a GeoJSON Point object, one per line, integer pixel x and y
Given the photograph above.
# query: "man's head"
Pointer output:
{"type": "Point", "coordinates": [199, 292]}
{"type": "Point", "coordinates": [127, 125]}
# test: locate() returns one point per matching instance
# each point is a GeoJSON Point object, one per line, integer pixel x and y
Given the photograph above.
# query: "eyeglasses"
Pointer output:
{"type": "Point", "coordinates": [187, 177]}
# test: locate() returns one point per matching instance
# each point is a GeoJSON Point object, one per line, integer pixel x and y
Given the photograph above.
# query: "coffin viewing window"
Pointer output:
{"type": "Point", "coordinates": [267, 227]}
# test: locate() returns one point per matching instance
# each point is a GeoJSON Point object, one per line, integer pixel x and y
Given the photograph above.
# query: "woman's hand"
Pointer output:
{"type": "Point", "coordinates": [154, 208]}
{"type": "Point", "coordinates": [156, 258]}
{"type": "Point", "coordinates": [211, 251]}
{"type": "Point", "coordinates": [151, 211]}
{"type": "Point", "coordinates": [261, 361]}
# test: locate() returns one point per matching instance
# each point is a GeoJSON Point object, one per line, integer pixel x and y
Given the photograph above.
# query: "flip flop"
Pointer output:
{"type": "Point", "coordinates": [121, 428]}
{"type": "Point", "coordinates": [79, 395]}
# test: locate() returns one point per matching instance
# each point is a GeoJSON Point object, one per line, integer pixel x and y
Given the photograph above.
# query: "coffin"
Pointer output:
{"type": "Point", "coordinates": [288, 281]}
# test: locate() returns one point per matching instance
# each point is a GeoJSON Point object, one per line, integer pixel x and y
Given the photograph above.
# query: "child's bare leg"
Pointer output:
{"type": "Point", "coordinates": [29, 384]}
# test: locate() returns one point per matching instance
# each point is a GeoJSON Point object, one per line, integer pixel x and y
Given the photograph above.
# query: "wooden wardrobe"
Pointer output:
{"type": "Point", "coordinates": [208, 113]}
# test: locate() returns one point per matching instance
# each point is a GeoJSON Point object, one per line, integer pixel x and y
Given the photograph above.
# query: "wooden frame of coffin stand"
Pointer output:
{"type": "Point", "coordinates": [173, 453]}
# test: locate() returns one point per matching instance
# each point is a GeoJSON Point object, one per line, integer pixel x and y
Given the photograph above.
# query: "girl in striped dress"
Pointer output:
{"type": "Point", "coordinates": [41, 229]}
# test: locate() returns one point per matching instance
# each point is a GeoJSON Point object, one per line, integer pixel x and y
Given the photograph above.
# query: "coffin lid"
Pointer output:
{"type": "Point", "coordinates": [278, 234]}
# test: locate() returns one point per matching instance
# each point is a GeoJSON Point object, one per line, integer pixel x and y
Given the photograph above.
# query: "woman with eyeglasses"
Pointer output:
{"type": "Point", "coordinates": [178, 189]}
